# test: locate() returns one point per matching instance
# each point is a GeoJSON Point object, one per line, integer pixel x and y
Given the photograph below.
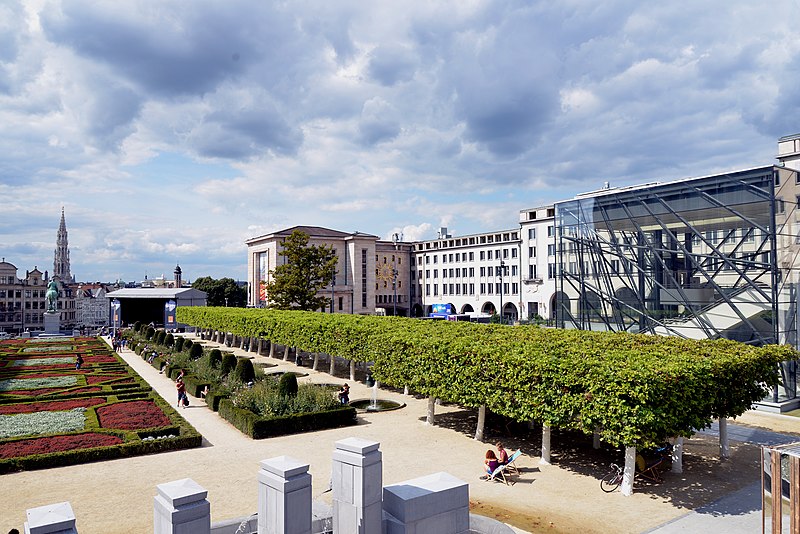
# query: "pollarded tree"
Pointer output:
{"type": "Point", "coordinates": [309, 268]}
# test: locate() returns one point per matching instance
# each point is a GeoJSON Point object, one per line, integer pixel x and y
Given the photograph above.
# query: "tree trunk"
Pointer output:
{"type": "Point", "coordinates": [332, 370]}
{"type": "Point", "coordinates": [545, 460]}
{"type": "Point", "coordinates": [316, 361]}
{"type": "Point", "coordinates": [724, 446]}
{"type": "Point", "coordinates": [677, 455]}
{"type": "Point", "coordinates": [596, 438]}
{"type": "Point", "coordinates": [405, 390]}
{"type": "Point", "coordinates": [629, 472]}
{"type": "Point", "coordinates": [271, 349]}
{"type": "Point", "coordinates": [481, 422]}
{"type": "Point", "coordinates": [352, 370]}
{"type": "Point", "coordinates": [431, 419]}
{"type": "Point", "coordinates": [286, 353]}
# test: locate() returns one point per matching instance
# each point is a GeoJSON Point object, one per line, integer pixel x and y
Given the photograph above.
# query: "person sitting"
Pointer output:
{"type": "Point", "coordinates": [490, 463]}
{"type": "Point", "coordinates": [502, 455]}
{"type": "Point", "coordinates": [344, 394]}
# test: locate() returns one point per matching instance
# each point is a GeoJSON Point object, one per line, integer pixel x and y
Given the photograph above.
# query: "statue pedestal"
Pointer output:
{"type": "Point", "coordinates": [52, 322]}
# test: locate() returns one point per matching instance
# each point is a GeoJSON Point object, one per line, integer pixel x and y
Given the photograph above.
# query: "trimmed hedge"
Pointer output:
{"type": "Point", "coordinates": [258, 427]}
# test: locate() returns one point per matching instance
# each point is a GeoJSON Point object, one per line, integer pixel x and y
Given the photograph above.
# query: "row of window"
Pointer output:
{"type": "Point", "coordinates": [484, 255]}
{"type": "Point", "coordinates": [469, 272]}
{"type": "Point", "coordinates": [469, 289]}
{"type": "Point", "coordinates": [465, 241]}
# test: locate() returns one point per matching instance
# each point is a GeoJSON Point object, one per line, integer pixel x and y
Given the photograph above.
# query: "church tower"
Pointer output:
{"type": "Point", "coordinates": [61, 261]}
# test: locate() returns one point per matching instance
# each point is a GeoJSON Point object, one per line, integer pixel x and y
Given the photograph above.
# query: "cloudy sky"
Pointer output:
{"type": "Point", "coordinates": [172, 131]}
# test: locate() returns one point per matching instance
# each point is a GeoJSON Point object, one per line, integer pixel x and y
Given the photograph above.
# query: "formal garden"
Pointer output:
{"type": "Point", "coordinates": [256, 403]}
{"type": "Point", "coordinates": [53, 414]}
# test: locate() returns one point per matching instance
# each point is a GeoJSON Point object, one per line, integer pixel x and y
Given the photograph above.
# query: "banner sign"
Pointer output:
{"type": "Point", "coordinates": [169, 314]}
{"type": "Point", "coordinates": [441, 309]}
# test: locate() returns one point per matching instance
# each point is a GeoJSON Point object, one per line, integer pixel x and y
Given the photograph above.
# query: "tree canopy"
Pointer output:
{"type": "Point", "coordinates": [636, 389]}
{"type": "Point", "coordinates": [221, 290]}
{"type": "Point", "coordinates": [296, 284]}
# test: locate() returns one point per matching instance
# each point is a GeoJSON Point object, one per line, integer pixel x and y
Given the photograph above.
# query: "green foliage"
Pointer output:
{"type": "Point", "coordinates": [178, 344]}
{"type": "Point", "coordinates": [308, 268]}
{"type": "Point", "coordinates": [195, 351]}
{"type": "Point", "coordinates": [228, 364]}
{"type": "Point", "coordinates": [258, 427]}
{"type": "Point", "coordinates": [159, 337]}
{"type": "Point", "coordinates": [287, 385]}
{"type": "Point", "coordinates": [222, 292]}
{"type": "Point", "coordinates": [215, 358]}
{"type": "Point", "coordinates": [244, 371]}
{"type": "Point", "coordinates": [638, 389]}
{"type": "Point", "coordinates": [169, 340]}
{"type": "Point", "coordinates": [187, 344]}
{"type": "Point", "coordinates": [137, 326]}
{"type": "Point", "coordinates": [149, 333]}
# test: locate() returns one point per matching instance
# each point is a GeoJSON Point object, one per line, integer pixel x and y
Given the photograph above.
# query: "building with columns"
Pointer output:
{"type": "Point", "coordinates": [353, 289]}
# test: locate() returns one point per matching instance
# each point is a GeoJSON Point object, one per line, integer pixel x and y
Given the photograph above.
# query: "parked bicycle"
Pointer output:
{"type": "Point", "coordinates": [612, 481]}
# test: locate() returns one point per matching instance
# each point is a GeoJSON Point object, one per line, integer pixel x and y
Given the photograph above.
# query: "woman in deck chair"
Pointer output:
{"type": "Point", "coordinates": [490, 463]}
{"type": "Point", "coordinates": [502, 455]}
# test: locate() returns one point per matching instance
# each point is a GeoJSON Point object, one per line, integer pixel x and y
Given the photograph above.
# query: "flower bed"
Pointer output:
{"type": "Point", "coordinates": [132, 415]}
{"type": "Point", "coordinates": [50, 444]}
{"type": "Point", "coordinates": [103, 411]}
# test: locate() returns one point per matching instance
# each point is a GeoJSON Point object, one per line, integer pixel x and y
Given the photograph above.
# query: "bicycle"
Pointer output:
{"type": "Point", "coordinates": [612, 481]}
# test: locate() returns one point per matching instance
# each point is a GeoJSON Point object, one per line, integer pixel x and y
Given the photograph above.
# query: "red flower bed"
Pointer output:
{"type": "Point", "coordinates": [26, 447]}
{"type": "Point", "coordinates": [132, 415]}
{"type": "Point", "coordinates": [98, 379]}
{"type": "Point", "coordinates": [32, 392]}
{"type": "Point", "coordinates": [53, 406]}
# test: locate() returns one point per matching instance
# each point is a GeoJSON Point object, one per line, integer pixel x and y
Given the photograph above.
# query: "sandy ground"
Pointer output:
{"type": "Point", "coordinates": [117, 496]}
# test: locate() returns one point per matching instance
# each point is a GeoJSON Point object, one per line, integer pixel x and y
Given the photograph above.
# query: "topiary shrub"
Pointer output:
{"type": "Point", "coordinates": [149, 333]}
{"type": "Point", "coordinates": [178, 344]}
{"type": "Point", "coordinates": [169, 340]}
{"type": "Point", "coordinates": [196, 351]}
{"type": "Point", "coordinates": [287, 385]}
{"type": "Point", "coordinates": [159, 337]}
{"type": "Point", "coordinates": [187, 344]}
{"type": "Point", "coordinates": [244, 371]}
{"type": "Point", "coordinates": [228, 364]}
{"type": "Point", "coordinates": [215, 358]}
{"type": "Point", "coordinates": [137, 326]}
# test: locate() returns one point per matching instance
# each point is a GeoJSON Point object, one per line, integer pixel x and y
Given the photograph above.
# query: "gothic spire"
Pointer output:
{"type": "Point", "coordinates": [61, 260]}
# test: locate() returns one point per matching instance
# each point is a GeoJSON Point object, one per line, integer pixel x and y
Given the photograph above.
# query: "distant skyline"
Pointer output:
{"type": "Point", "coordinates": [171, 132]}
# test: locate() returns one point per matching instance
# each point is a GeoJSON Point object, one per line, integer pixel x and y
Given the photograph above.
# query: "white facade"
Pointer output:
{"type": "Point", "coordinates": [465, 272]}
{"type": "Point", "coordinates": [92, 308]}
{"type": "Point", "coordinates": [537, 226]}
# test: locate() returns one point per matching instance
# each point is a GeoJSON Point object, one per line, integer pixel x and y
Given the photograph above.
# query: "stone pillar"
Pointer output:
{"type": "Point", "coordinates": [357, 479]}
{"type": "Point", "coordinates": [433, 504]}
{"type": "Point", "coordinates": [284, 497]}
{"type": "Point", "coordinates": [52, 518]}
{"type": "Point", "coordinates": [181, 508]}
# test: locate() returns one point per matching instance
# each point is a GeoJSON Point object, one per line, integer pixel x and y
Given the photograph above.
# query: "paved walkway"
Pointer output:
{"type": "Point", "coordinates": [740, 511]}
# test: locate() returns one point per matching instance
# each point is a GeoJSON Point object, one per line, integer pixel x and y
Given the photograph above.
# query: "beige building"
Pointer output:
{"type": "Point", "coordinates": [22, 301]}
{"type": "Point", "coordinates": [355, 285]}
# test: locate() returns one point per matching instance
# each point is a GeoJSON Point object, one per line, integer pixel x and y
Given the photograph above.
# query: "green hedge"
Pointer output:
{"type": "Point", "coordinates": [214, 398]}
{"type": "Point", "coordinates": [637, 389]}
{"type": "Point", "coordinates": [258, 427]}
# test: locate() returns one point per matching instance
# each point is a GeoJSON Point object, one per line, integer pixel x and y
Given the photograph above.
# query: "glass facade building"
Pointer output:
{"type": "Point", "coordinates": [708, 257]}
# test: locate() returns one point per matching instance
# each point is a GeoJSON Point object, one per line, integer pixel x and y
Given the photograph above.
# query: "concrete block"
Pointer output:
{"type": "Point", "coordinates": [284, 497]}
{"type": "Point", "coordinates": [181, 508]}
{"type": "Point", "coordinates": [51, 519]}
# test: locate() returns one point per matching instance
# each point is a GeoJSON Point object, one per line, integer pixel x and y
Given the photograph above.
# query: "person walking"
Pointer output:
{"type": "Point", "coordinates": [181, 387]}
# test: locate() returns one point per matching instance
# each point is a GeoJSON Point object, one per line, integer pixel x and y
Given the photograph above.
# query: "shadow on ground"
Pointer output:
{"type": "Point", "coordinates": [705, 477]}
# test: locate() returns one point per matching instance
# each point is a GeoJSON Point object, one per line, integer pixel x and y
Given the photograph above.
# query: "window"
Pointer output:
{"type": "Point", "coordinates": [444, 273]}
{"type": "Point", "coordinates": [550, 231]}
{"type": "Point", "coordinates": [531, 233]}
{"type": "Point", "coordinates": [531, 252]}
{"type": "Point", "coordinates": [515, 288]}
{"type": "Point", "coordinates": [428, 290]}
{"type": "Point", "coordinates": [458, 272]}
{"type": "Point", "coordinates": [780, 205]}
{"type": "Point", "coordinates": [427, 273]}
{"type": "Point", "coordinates": [483, 254]}
{"type": "Point", "coordinates": [490, 271]}
{"type": "Point", "coordinates": [551, 250]}
{"type": "Point", "coordinates": [483, 289]}
{"type": "Point", "coordinates": [472, 271]}
{"type": "Point", "coordinates": [497, 254]}
{"type": "Point", "coordinates": [513, 270]}
{"type": "Point", "coordinates": [551, 270]}
{"type": "Point", "coordinates": [444, 258]}
{"type": "Point", "coordinates": [427, 259]}
{"type": "Point", "coordinates": [458, 289]}
{"type": "Point", "coordinates": [436, 273]}
{"type": "Point", "coordinates": [435, 258]}
{"type": "Point", "coordinates": [483, 271]}
{"type": "Point", "coordinates": [531, 271]}
{"type": "Point", "coordinates": [444, 289]}
{"type": "Point", "coordinates": [505, 253]}
{"type": "Point", "coordinates": [451, 273]}
{"type": "Point", "coordinates": [472, 254]}
{"type": "Point", "coordinates": [615, 266]}
{"type": "Point", "coordinates": [435, 290]}
{"type": "Point", "coordinates": [458, 257]}
{"type": "Point", "coordinates": [513, 253]}
{"type": "Point", "coordinates": [490, 288]}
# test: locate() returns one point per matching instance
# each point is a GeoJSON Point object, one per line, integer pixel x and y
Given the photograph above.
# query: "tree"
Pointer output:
{"type": "Point", "coordinates": [308, 268]}
{"type": "Point", "coordinates": [222, 292]}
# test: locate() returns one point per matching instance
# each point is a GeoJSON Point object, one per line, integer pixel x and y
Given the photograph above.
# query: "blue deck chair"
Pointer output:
{"type": "Point", "coordinates": [504, 472]}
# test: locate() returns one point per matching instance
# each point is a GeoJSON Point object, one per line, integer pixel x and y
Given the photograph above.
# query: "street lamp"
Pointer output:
{"type": "Point", "coordinates": [396, 238]}
{"type": "Point", "coordinates": [502, 269]}
{"type": "Point", "coordinates": [333, 282]}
